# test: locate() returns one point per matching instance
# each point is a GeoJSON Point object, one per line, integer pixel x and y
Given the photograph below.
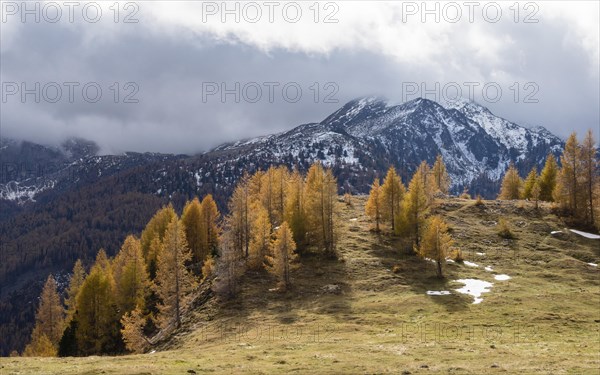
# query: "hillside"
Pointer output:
{"type": "Point", "coordinates": [356, 315]}
{"type": "Point", "coordinates": [45, 189]}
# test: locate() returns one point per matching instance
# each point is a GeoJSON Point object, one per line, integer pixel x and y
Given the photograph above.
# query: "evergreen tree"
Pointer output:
{"type": "Point", "coordinates": [174, 282]}
{"type": "Point", "coordinates": [436, 242]}
{"type": "Point", "coordinates": [547, 179]}
{"type": "Point", "coordinates": [131, 278]}
{"type": "Point", "coordinates": [440, 176]}
{"type": "Point", "coordinates": [68, 347]}
{"type": "Point", "coordinates": [374, 208]}
{"type": "Point", "coordinates": [392, 193]}
{"type": "Point", "coordinates": [530, 183]}
{"type": "Point", "coordinates": [511, 184]}
{"type": "Point", "coordinates": [283, 255]}
{"type": "Point", "coordinates": [75, 282]}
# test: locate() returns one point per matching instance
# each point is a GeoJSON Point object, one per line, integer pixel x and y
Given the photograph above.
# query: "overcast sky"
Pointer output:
{"type": "Point", "coordinates": [542, 57]}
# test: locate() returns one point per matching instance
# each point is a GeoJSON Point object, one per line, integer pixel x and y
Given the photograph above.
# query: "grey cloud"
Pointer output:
{"type": "Point", "coordinates": [171, 117]}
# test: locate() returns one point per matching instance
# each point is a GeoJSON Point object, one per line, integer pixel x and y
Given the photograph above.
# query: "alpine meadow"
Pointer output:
{"type": "Point", "coordinates": [326, 187]}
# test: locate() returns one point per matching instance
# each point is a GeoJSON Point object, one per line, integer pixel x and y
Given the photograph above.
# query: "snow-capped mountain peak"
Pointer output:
{"type": "Point", "coordinates": [369, 134]}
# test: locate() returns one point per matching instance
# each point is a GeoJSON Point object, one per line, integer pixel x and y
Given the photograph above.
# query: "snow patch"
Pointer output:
{"type": "Point", "coordinates": [555, 232]}
{"type": "Point", "coordinates": [438, 293]}
{"type": "Point", "coordinates": [593, 264]}
{"type": "Point", "coordinates": [489, 268]}
{"type": "Point", "coordinates": [480, 254]}
{"type": "Point", "coordinates": [354, 219]}
{"type": "Point", "coordinates": [470, 264]}
{"type": "Point", "coordinates": [475, 288]}
{"type": "Point", "coordinates": [585, 234]}
{"type": "Point", "coordinates": [502, 277]}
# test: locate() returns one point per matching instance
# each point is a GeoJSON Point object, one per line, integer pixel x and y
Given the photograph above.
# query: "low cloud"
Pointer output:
{"type": "Point", "coordinates": [166, 60]}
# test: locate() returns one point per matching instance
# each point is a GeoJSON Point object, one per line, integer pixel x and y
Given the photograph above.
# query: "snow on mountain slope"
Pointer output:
{"type": "Point", "coordinates": [369, 132]}
{"type": "Point", "coordinates": [510, 135]}
{"type": "Point", "coordinates": [360, 141]}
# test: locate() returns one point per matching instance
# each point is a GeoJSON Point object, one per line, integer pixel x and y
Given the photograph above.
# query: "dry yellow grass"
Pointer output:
{"type": "Point", "coordinates": [357, 316]}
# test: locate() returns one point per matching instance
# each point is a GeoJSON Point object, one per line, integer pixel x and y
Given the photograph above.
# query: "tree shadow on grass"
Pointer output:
{"type": "Point", "coordinates": [419, 275]}
{"type": "Point", "coordinates": [319, 285]}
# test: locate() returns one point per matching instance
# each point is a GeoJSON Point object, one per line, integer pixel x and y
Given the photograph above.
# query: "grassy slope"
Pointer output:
{"type": "Point", "coordinates": [545, 319]}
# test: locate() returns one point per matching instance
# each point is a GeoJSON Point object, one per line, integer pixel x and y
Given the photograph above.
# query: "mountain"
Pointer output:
{"type": "Point", "coordinates": [367, 135]}
{"type": "Point", "coordinates": [61, 203]}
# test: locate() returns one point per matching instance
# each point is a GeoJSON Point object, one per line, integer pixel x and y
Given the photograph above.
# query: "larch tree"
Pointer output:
{"type": "Point", "coordinates": [280, 178]}
{"type": "Point", "coordinates": [97, 317]}
{"type": "Point", "coordinates": [260, 243]}
{"type": "Point", "coordinates": [209, 227]}
{"type": "Point", "coordinates": [436, 242]}
{"type": "Point", "coordinates": [428, 181]}
{"type": "Point", "coordinates": [590, 164]}
{"type": "Point", "coordinates": [547, 179]}
{"type": "Point", "coordinates": [238, 220]}
{"type": "Point", "coordinates": [392, 193]}
{"type": "Point", "coordinates": [173, 283]}
{"type": "Point", "coordinates": [569, 191]}
{"type": "Point", "coordinates": [511, 184]}
{"type": "Point", "coordinates": [133, 323]}
{"type": "Point", "coordinates": [192, 222]}
{"type": "Point", "coordinates": [268, 194]}
{"type": "Point", "coordinates": [441, 179]}
{"type": "Point", "coordinates": [330, 190]}
{"type": "Point", "coordinates": [75, 282]}
{"type": "Point", "coordinates": [40, 346]}
{"type": "Point", "coordinates": [374, 208]}
{"type": "Point", "coordinates": [155, 228]}
{"type": "Point", "coordinates": [530, 183]}
{"type": "Point", "coordinates": [229, 266]}
{"type": "Point", "coordinates": [49, 321]}
{"type": "Point", "coordinates": [103, 261]}
{"type": "Point", "coordinates": [295, 210]}
{"type": "Point", "coordinates": [255, 185]}
{"type": "Point", "coordinates": [535, 194]}
{"type": "Point", "coordinates": [132, 283]}
{"type": "Point", "coordinates": [415, 207]}
{"type": "Point", "coordinates": [321, 193]}
{"type": "Point", "coordinates": [284, 255]}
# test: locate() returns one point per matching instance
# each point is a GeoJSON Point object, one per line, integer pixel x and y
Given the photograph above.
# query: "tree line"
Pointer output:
{"type": "Point", "coordinates": [122, 303]}
{"type": "Point", "coordinates": [405, 209]}
{"type": "Point", "coordinates": [574, 185]}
